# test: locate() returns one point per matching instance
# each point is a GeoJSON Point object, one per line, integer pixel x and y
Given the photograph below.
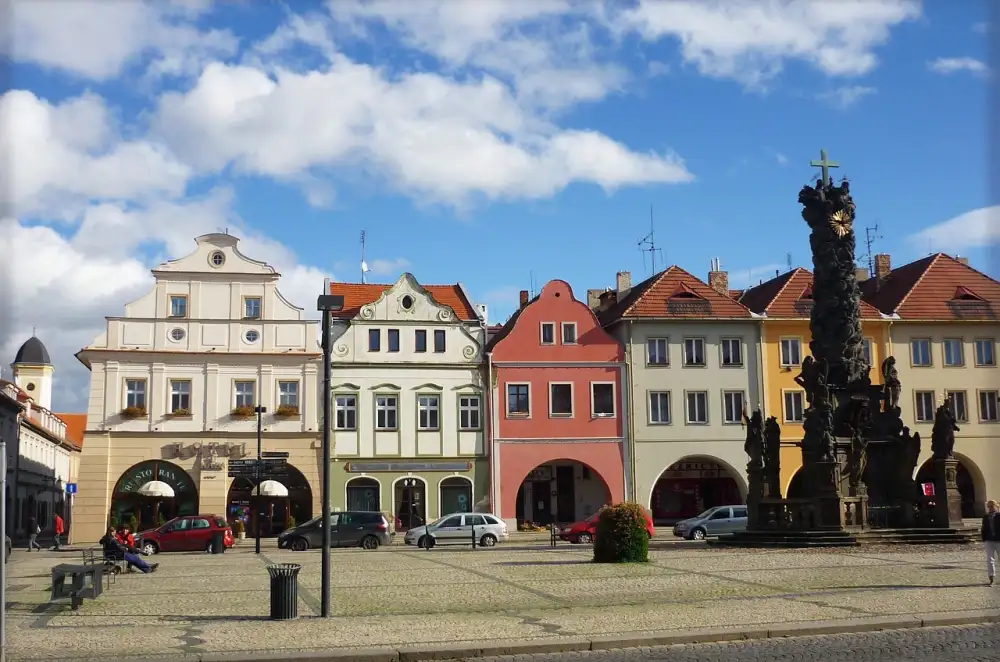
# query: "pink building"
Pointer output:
{"type": "Point", "coordinates": [556, 411]}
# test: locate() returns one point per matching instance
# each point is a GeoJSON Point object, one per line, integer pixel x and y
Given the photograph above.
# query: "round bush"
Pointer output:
{"type": "Point", "coordinates": [621, 535]}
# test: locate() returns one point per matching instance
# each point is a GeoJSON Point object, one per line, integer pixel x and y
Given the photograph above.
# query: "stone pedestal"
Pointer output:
{"type": "Point", "coordinates": [755, 493]}
{"type": "Point", "coordinates": [947, 499]}
{"type": "Point", "coordinates": [829, 508]}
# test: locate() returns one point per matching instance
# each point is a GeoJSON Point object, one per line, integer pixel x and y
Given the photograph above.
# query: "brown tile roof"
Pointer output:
{"type": "Point", "coordinates": [936, 288]}
{"type": "Point", "coordinates": [357, 295]}
{"type": "Point", "coordinates": [75, 425]}
{"type": "Point", "coordinates": [674, 294]}
{"type": "Point", "coordinates": [495, 335]}
{"type": "Point", "coordinates": [789, 296]}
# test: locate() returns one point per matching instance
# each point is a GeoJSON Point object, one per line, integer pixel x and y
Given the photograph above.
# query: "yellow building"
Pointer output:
{"type": "Point", "coordinates": [785, 304]}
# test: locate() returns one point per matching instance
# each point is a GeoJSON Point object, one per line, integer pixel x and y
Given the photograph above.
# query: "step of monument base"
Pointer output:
{"type": "Point", "coordinates": [799, 539]}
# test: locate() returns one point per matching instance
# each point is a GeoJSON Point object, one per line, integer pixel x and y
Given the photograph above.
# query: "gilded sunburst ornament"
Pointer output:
{"type": "Point", "coordinates": [841, 221]}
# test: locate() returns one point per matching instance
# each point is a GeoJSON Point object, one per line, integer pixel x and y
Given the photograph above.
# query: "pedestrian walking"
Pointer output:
{"type": "Point", "coordinates": [60, 528]}
{"type": "Point", "coordinates": [991, 537]}
{"type": "Point", "coordinates": [33, 531]}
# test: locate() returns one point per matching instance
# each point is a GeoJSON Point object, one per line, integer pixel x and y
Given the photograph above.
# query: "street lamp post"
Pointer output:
{"type": "Point", "coordinates": [260, 411]}
{"type": "Point", "coordinates": [327, 304]}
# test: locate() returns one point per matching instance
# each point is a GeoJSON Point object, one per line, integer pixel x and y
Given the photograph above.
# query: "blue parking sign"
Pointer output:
{"type": "Point", "coordinates": [70, 488]}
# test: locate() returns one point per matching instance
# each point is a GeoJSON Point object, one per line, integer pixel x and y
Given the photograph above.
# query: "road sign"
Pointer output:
{"type": "Point", "coordinates": [270, 467]}
{"type": "Point", "coordinates": [70, 488]}
{"type": "Point", "coordinates": [283, 454]}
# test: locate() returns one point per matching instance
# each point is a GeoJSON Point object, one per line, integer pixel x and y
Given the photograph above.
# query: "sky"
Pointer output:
{"type": "Point", "coordinates": [495, 143]}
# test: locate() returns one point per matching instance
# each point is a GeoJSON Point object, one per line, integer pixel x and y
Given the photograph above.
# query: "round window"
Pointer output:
{"type": "Point", "coordinates": [407, 302]}
{"type": "Point", "coordinates": [177, 334]}
{"type": "Point", "coordinates": [30, 387]}
{"type": "Point", "coordinates": [217, 258]}
{"type": "Point", "coordinates": [251, 335]}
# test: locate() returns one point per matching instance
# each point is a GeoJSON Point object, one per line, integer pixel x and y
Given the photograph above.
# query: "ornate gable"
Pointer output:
{"type": "Point", "coordinates": [407, 300]}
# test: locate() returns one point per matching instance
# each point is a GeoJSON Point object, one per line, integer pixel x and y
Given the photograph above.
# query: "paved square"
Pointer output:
{"type": "Point", "coordinates": [200, 603]}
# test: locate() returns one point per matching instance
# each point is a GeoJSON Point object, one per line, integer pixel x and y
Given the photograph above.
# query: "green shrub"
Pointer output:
{"type": "Point", "coordinates": [621, 535]}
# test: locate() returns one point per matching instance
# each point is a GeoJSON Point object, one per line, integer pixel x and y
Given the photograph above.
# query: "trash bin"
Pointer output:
{"type": "Point", "coordinates": [218, 542]}
{"type": "Point", "coordinates": [284, 590]}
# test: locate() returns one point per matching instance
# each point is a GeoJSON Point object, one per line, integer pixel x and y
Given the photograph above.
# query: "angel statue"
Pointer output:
{"type": "Point", "coordinates": [891, 385]}
{"type": "Point", "coordinates": [754, 445]}
{"type": "Point", "coordinates": [807, 378]}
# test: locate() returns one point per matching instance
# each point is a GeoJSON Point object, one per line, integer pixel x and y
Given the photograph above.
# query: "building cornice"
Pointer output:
{"type": "Point", "coordinates": [574, 440]}
{"type": "Point", "coordinates": [559, 364]}
{"type": "Point", "coordinates": [209, 320]}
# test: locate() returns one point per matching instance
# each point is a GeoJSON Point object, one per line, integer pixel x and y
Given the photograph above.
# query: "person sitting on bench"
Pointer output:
{"type": "Point", "coordinates": [115, 549]}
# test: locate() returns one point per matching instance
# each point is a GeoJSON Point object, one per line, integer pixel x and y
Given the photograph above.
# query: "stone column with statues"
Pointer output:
{"type": "Point", "coordinates": [754, 447]}
{"type": "Point", "coordinates": [947, 499]}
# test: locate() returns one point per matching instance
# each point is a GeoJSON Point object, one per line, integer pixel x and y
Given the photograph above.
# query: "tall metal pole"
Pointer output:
{"type": "Point", "coordinates": [3, 554]}
{"type": "Point", "coordinates": [260, 442]}
{"type": "Point", "coordinates": [325, 585]}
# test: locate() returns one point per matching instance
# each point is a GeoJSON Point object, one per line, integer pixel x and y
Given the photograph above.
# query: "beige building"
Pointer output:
{"type": "Point", "coordinates": [945, 345]}
{"type": "Point", "coordinates": [174, 384]}
{"type": "Point", "coordinates": [693, 356]}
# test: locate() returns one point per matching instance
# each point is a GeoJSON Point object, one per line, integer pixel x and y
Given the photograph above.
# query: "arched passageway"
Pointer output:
{"type": "Point", "coordinates": [691, 486]}
{"type": "Point", "coordinates": [561, 491]}
{"type": "Point", "coordinates": [281, 502]}
{"type": "Point", "coordinates": [150, 493]}
{"type": "Point", "coordinates": [966, 484]}
{"type": "Point", "coordinates": [454, 495]}
{"type": "Point", "coordinates": [364, 494]}
{"type": "Point", "coordinates": [409, 499]}
{"type": "Point", "coordinates": [796, 490]}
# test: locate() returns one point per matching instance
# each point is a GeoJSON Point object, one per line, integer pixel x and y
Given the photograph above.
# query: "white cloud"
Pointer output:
{"type": "Point", "coordinates": [743, 278]}
{"type": "Point", "coordinates": [978, 228]}
{"type": "Point", "coordinates": [846, 96]}
{"type": "Point", "coordinates": [394, 268]}
{"type": "Point", "coordinates": [982, 27]}
{"type": "Point", "coordinates": [951, 65]}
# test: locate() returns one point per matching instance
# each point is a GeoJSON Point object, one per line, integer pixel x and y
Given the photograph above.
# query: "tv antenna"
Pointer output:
{"type": "Point", "coordinates": [871, 236]}
{"type": "Point", "coordinates": [648, 245]}
{"type": "Point", "coordinates": [364, 265]}
{"type": "Point", "coordinates": [788, 260]}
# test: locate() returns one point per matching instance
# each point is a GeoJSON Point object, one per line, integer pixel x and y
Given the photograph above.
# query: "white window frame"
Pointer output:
{"type": "Point", "coordinates": [868, 350]}
{"type": "Point", "coordinates": [985, 393]}
{"type": "Point", "coordinates": [695, 340]}
{"type": "Point", "coordinates": [687, 408]}
{"type": "Point", "coordinates": [466, 410]}
{"type": "Point", "coordinates": [960, 343]}
{"type": "Point", "coordinates": [730, 342]}
{"type": "Point", "coordinates": [443, 335]}
{"type": "Point", "coordinates": [918, 396]}
{"type": "Point", "coordinates": [649, 407]}
{"type": "Point", "coordinates": [992, 344]}
{"type": "Point", "coordinates": [785, 393]}
{"type": "Point", "coordinates": [737, 418]}
{"type": "Point", "coordinates": [237, 395]}
{"type": "Point", "coordinates": [506, 391]}
{"type": "Point", "coordinates": [562, 333]}
{"type": "Point", "coordinates": [173, 392]}
{"type": "Point", "coordinates": [541, 333]}
{"type": "Point", "coordinates": [260, 307]}
{"type": "Point", "coordinates": [930, 353]}
{"type": "Point", "coordinates": [136, 393]}
{"type": "Point", "coordinates": [666, 352]}
{"type": "Point", "coordinates": [954, 409]}
{"type": "Point", "coordinates": [572, 398]}
{"type": "Point", "coordinates": [346, 409]}
{"type": "Point", "coordinates": [389, 333]}
{"type": "Point", "coordinates": [284, 397]}
{"type": "Point", "coordinates": [593, 400]}
{"type": "Point", "coordinates": [378, 334]}
{"type": "Point", "coordinates": [170, 302]}
{"type": "Point", "coordinates": [387, 408]}
{"type": "Point", "coordinates": [417, 334]}
{"type": "Point", "coordinates": [429, 404]}
{"type": "Point", "coordinates": [784, 357]}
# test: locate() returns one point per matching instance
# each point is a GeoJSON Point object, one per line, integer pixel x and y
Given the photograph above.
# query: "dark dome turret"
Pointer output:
{"type": "Point", "coordinates": [32, 352]}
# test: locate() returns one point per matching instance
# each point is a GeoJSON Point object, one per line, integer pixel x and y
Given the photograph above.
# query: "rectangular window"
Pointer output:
{"type": "Point", "coordinates": [420, 340]}
{"type": "Point", "coordinates": [385, 412]}
{"type": "Point", "coordinates": [439, 341]}
{"type": "Point", "coordinates": [135, 393]}
{"type": "Point", "coordinates": [732, 406]}
{"type": "Point", "coordinates": [603, 397]}
{"type": "Point", "coordinates": [180, 395]}
{"type": "Point", "coordinates": [697, 407]}
{"type": "Point", "coordinates": [569, 333]}
{"type": "Point", "coordinates": [374, 340]}
{"type": "Point", "coordinates": [794, 406]}
{"type": "Point", "coordinates": [866, 350]}
{"type": "Point", "coordinates": [732, 352]}
{"type": "Point", "coordinates": [288, 394]}
{"type": "Point", "coordinates": [920, 352]}
{"type": "Point", "coordinates": [791, 352]}
{"type": "Point", "coordinates": [252, 308]}
{"type": "Point", "coordinates": [548, 333]}
{"type": "Point", "coordinates": [245, 393]}
{"type": "Point", "coordinates": [988, 406]}
{"type": "Point", "coordinates": [178, 306]}
{"type": "Point", "coordinates": [393, 338]}
{"type": "Point", "coordinates": [958, 404]}
{"type": "Point", "coordinates": [518, 400]}
{"type": "Point", "coordinates": [428, 412]}
{"type": "Point", "coordinates": [659, 407]}
{"type": "Point", "coordinates": [469, 412]}
{"type": "Point", "coordinates": [923, 406]}
{"type": "Point", "coordinates": [694, 351]}
{"type": "Point", "coordinates": [985, 356]}
{"type": "Point", "coordinates": [954, 356]}
{"type": "Point", "coordinates": [656, 352]}
{"type": "Point", "coordinates": [347, 412]}
{"type": "Point", "coordinates": [560, 399]}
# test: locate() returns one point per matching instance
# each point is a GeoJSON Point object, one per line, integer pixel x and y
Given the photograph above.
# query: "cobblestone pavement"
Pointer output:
{"type": "Point", "coordinates": [956, 644]}
{"type": "Point", "coordinates": [200, 604]}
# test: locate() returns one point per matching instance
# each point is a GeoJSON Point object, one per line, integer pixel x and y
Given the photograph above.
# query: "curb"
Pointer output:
{"type": "Point", "coordinates": [429, 652]}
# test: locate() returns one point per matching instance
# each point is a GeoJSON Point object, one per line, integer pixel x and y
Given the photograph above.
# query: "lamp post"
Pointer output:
{"type": "Point", "coordinates": [327, 304]}
{"type": "Point", "coordinates": [260, 411]}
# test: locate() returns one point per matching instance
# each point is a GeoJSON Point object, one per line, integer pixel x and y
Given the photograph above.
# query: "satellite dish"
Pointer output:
{"type": "Point", "coordinates": [364, 267]}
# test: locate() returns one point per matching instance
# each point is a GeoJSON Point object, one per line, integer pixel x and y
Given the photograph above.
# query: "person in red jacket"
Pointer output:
{"type": "Point", "coordinates": [125, 537]}
{"type": "Point", "coordinates": [60, 528]}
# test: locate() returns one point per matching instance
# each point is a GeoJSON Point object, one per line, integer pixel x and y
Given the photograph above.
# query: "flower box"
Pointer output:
{"type": "Point", "coordinates": [180, 413]}
{"type": "Point", "coordinates": [133, 412]}
{"type": "Point", "coordinates": [242, 412]}
{"type": "Point", "coordinates": [286, 411]}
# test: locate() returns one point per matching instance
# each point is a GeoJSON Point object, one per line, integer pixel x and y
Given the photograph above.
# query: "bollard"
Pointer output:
{"type": "Point", "coordinates": [284, 591]}
{"type": "Point", "coordinates": [218, 542]}
{"type": "Point", "coordinates": [473, 527]}
{"type": "Point", "coordinates": [552, 535]}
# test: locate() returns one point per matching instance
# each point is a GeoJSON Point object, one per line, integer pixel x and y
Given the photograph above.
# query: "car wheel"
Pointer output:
{"type": "Point", "coordinates": [369, 542]}
{"type": "Point", "coordinates": [489, 540]}
{"type": "Point", "coordinates": [698, 534]}
{"type": "Point", "coordinates": [584, 539]}
{"type": "Point", "coordinates": [300, 545]}
{"type": "Point", "coordinates": [150, 548]}
{"type": "Point", "coordinates": [425, 542]}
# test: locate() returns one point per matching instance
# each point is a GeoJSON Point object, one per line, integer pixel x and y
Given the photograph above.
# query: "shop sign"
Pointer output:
{"type": "Point", "coordinates": [138, 476]}
{"type": "Point", "coordinates": [383, 467]}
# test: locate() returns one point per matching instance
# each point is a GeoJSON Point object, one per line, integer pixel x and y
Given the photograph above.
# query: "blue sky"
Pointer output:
{"type": "Point", "coordinates": [480, 142]}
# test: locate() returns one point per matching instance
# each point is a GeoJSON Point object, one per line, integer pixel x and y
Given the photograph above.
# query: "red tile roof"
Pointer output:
{"type": "Point", "coordinates": [674, 294]}
{"type": "Point", "coordinates": [789, 296]}
{"type": "Point", "coordinates": [938, 287]}
{"type": "Point", "coordinates": [75, 425]}
{"type": "Point", "coordinates": [357, 295]}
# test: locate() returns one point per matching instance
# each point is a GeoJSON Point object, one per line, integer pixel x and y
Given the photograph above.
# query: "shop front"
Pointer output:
{"type": "Point", "coordinates": [689, 487]}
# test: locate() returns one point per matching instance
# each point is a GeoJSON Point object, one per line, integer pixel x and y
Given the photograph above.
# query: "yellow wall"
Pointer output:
{"type": "Point", "coordinates": [779, 379]}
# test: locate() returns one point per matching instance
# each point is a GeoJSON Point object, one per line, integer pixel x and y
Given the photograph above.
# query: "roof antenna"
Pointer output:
{"type": "Point", "coordinates": [871, 236]}
{"type": "Point", "coordinates": [648, 245]}
{"type": "Point", "coordinates": [788, 260]}
{"type": "Point", "coordinates": [364, 265]}
{"type": "Point", "coordinates": [33, 331]}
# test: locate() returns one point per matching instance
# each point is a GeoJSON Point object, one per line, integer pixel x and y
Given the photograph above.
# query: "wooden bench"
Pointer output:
{"type": "Point", "coordinates": [77, 582]}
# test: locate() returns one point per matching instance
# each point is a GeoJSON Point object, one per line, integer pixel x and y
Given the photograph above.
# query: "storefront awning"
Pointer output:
{"type": "Point", "coordinates": [156, 488]}
{"type": "Point", "coordinates": [270, 488]}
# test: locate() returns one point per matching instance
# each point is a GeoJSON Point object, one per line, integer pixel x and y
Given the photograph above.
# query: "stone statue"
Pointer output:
{"type": "Point", "coordinates": [772, 456]}
{"type": "Point", "coordinates": [754, 445]}
{"type": "Point", "coordinates": [807, 379]}
{"type": "Point", "coordinates": [909, 455]}
{"type": "Point", "coordinates": [859, 425]}
{"type": "Point", "coordinates": [943, 432]}
{"type": "Point", "coordinates": [821, 391]}
{"type": "Point", "coordinates": [891, 385]}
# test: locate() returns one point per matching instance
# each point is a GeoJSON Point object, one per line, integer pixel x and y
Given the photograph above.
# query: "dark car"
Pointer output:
{"type": "Point", "coordinates": [348, 529]}
{"type": "Point", "coordinates": [192, 533]}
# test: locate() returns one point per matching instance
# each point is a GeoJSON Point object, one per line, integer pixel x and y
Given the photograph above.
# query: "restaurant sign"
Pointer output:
{"type": "Point", "coordinates": [164, 472]}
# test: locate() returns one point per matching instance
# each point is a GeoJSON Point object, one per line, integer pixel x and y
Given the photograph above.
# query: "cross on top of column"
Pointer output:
{"type": "Point", "coordinates": [825, 164]}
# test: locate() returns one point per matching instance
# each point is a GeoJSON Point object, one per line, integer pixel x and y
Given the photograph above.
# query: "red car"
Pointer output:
{"type": "Point", "coordinates": [191, 533]}
{"type": "Point", "coordinates": [584, 532]}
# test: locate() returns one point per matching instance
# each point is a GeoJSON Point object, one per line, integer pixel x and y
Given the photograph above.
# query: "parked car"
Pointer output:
{"type": "Point", "coordinates": [584, 532]}
{"type": "Point", "coordinates": [192, 533]}
{"type": "Point", "coordinates": [716, 521]}
{"type": "Point", "coordinates": [364, 529]}
{"type": "Point", "coordinates": [457, 529]}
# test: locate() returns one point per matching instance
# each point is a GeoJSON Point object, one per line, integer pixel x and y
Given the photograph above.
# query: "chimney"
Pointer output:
{"type": "Point", "coordinates": [861, 274]}
{"type": "Point", "coordinates": [594, 299]}
{"type": "Point", "coordinates": [624, 282]}
{"type": "Point", "coordinates": [883, 265]}
{"type": "Point", "coordinates": [524, 298]}
{"type": "Point", "coordinates": [963, 259]}
{"type": "Point", "coordinates": [718, 279]}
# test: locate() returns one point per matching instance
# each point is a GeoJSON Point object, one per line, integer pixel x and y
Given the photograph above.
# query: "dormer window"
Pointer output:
{"type": "Point", "coordinates": [217, 259]}
{"type": "Point", "coordinates": [252, 307]}
{"type": "Point", "coordinates": [569, 333]}
{"type": "Point", "coordinates": [965, 294]}
{"type": "Point", "coordinates": [807, 293]}
{"type": "Point", "coordinates": [548, 333]}
{"type": "Point", "coordinates": [178, 306]}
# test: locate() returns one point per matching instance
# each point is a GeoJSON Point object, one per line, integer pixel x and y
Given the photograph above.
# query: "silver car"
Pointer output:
{"type": "Point", "coordinates": [459, 529]}
{"type": "Point", "coordinates": [716, 521]}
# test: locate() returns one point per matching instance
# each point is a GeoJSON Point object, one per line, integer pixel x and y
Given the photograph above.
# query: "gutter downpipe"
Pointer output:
{"type": "Point", "coordinates": [630, 489]}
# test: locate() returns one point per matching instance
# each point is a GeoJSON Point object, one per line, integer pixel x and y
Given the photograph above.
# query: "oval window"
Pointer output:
{"type": "Point", "coordinates": [251, 335]}
{"type": "Point", "coordinates": [177, 334]}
